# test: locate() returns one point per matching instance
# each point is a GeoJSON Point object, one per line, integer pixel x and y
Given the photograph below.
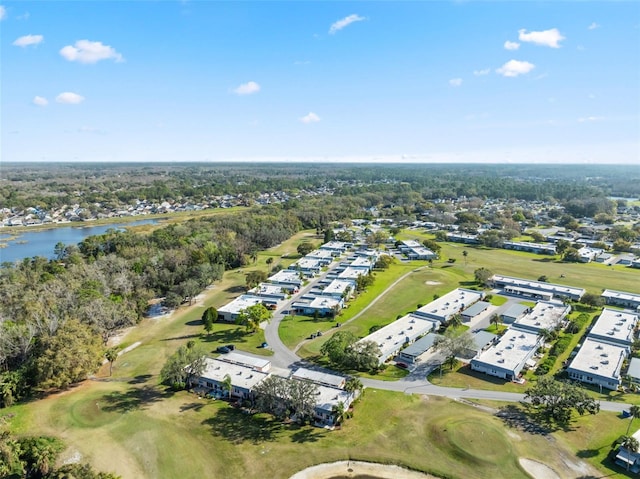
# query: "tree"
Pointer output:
{"type": "Point", "coordinates": [543, 278]}
{"type": "Point", "coordinates": [269, 262]}
{"type": "Point", "coordinates": [384, 261]}
{"type": "Point", "coordinates": [67, 356]}
{"type": "Point", "coordinates": [465, 253]}
{"type": "Point", "coordinates": [557, 400]}
{"type": "Point", "coordinates": [362, 356]}
{"type": "Point", "coordinates": [335, 348]}
{"type": "Point", "coordinates": [455, 320]}
{"type": "Point", "coordinates": [209, 317]}
{"type": "Point", "coordinates": [39, 454]}
{"type": "Point", "coordinates": [252, 316]}
{"type": "Point", "coordinates": [453, 344]}
{"type": "Point", "coordinates": [631, 444]}
{"type": "Point", "coordinates": [353, 385]}
{"type": "Point", "coordinates": [634, 411]}
{"type": "Point", "coordinates": [562, 245]}
{"type": "Point", "coordinates": [571, 255]}
{"type": "Point", "coordinates": [254, 278]}
{"type": "Point", "coordinates": [495, 319]}
{"type": "Point", "coordinates": [272, 396]}
{"type": "Point", "coordinates": [305, 248]}
{"type": "Point", "coordinates": [111, 355]}
{"type": "Point", "coordinates": [432, 245]}
{"type": "Point", "coordinates": [483, 275]}
{"type": "Point", "coordinates": [339, 412]}
{"type": "Point", "coordinates": [227, 384]}
{"type": "Point", "coordinates": [302, 399]}
{"type": "Point", "coordinates": [186, 364]}
{"type": "Point", "coordinates": [80, 471]}
{"type": "Point", "coordinates": [592, 300]}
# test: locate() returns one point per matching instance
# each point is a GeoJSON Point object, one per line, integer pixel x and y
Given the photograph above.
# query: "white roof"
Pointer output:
{"type": "Point", "coordinates": [549, 287]}
{"type": "Point", "coordinates": [337, 286]}
{"type": "Point", "coordinates": [361, 262]}
{"type": "Point", "coordinates": [328, 397]}
{"type": "Point", "coordinates": [615, 325]}
{"type": "Point", "coordinates": [350, 273]}
{"type": "Point", "coordinates": [319, 377]}
{"type": "Point", "coordinates": [286, 276]}
{"type": "Point", "coordinates": [334, 245]}
{"type": "Point", "coordinates": [267, 289]}
{"type": "Point", "coordinates": [544, 315]}
{"type": "Point", "coordinates": [244, 360]}
{"type": "Point", "coordinates": [395, 335]}
{"type": "Point", "coordinates": [309, 263]}
{"type": "Point", "coordinates": [240, 303]}
{"type": "Point", "coordinates": [321, 253]}
{"type": "Point", "coordinates": [513, 349]}
{"type": "Point", "coordinates": [599, 358]}
{"type": "Point", "coordinates": [610, 293]}
{"type": "Point", "coordinates": [317, 302]}
{"type": "Point", "coordinates": [241, 376]}
{"type": "Point", "coordinates": [451, 303]}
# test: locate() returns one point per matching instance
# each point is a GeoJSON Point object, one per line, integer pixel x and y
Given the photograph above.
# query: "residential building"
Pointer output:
{"type": "Point", "coordinates": [535, 289]}
{"type": "Point", "coordinates": [257, 364]}
{"type": "Point", "coordinates": [463, 238]}
{"type": "Point", "coordinates": [454, 302]}
{"type": "Point", "coordinates": [544, 315]}
{"type": "Point", "coordinates": [321, 305]}
{"type": "Point", "coordinates": [327, 399]}
{"type": "Point", "coordinates": [621, 298]}
{"type": "Point", "coordinates": [324, 256]}
{"type": "Point", "coordinates": [598, 363]}
{"type": "Point", "coordinates": [474, 310]}
{"type": "Point", "coordinates": [509, 356]}
{"type": "Point", "coordinates": [287, 276]}
{"type": "Point", "coordinates": [411, 353]}
{"type": "Point", "coordinates": [339, 288]}
{"type": "Point", "coordinates": [269, 291]}
{"type": "Point", "coordinates": [482, 340]}
{"type": "Point", "coordinates": [308, 266]}
{"type": "Point", "coordinates": [615, 327]}
{"type": "Point", "coordinates": [243, 379]}
{"type": "Point", "coordinates": [337, 248]}
{"type": "Point", "coordinates": [320, 377]}
{"type": "Point", "coordinates": [230, 311]}
{"type": "Point", "coordinates": [414, 250]}
{"type": "Point", "coordinates": [393, 337]}
{"type": "Point", "coordinates": [629, 459]}
{"type": "Point", "coordinates": [514, 312]}
{"type": "Point", "coordinates": [538, 248]}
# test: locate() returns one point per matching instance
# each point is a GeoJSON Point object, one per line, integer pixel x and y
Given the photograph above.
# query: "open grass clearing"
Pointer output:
{"type": "Point", "coordinates": [152, 432]}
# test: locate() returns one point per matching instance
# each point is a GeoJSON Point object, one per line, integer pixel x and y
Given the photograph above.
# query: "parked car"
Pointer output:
{"type": "Point", "coordinates": [230, 347]}
{"type": "Point", "coordinates": [223, 349]}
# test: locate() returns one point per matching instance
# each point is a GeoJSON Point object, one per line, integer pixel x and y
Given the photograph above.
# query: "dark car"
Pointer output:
{"type": "Point", "coordinates": [402, 365]}
{"type": "Point", "coordinates": [223, 349]}
{"type": "Point", "coordinates": [230, 347]}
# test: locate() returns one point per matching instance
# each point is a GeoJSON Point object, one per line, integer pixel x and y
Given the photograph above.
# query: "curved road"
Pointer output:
{"type": "Point", "coordinates": [415, 383]}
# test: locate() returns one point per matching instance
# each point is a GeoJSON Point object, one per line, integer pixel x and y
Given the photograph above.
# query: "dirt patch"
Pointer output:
{"type": "Point", "coordinates": [537, 469]}
{"type": "Point", "coordinates": [432, 283]}
{"type": "Point", "coordinates": [348, 469]}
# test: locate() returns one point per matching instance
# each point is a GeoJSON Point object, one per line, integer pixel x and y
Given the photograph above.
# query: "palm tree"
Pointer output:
{"type": "Point", "coordinates": [455, 320]}
{"type": "Point", "coordinates": [632, 445]}
{"type": "Point", "coordinates": [269, 262]}
{"type": "Point", "coordinates": [635, 413]}
{"type": "Point", "coordinates": [353, 385]}
{"type": "Point", "coordinates": [338, 411]}
{"type": "Point", "coordinates": [111, 354]}
{"type": "Point", "coordinates": [496, 320]}
{"type": "Point", "coordinates": [465, 253]}
{"type": "Point", "coordinates": [226, 384]}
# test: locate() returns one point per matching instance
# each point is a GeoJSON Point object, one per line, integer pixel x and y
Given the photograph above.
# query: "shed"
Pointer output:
{"type": "Point", "coordinates": [474, 310]}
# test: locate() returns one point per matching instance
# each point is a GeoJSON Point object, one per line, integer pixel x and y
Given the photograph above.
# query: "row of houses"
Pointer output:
{"type": "Point", "coordinates": [536, 290]}
{"type": "Point", "coordinates": [247, 372]}
{"type": "Point", "coordinates": [517, 347]}
{"type": "Point", "coordinates": [420, 324]}
{"type": "Point", "coordinates": [608, 343]}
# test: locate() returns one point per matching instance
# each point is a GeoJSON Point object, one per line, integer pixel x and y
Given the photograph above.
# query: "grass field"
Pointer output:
{"type": "Point", "coordinates": [143, 432]}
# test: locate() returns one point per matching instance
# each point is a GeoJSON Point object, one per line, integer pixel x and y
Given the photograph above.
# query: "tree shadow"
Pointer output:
{"type": "Point", "coordinates": [194, 406]}
{"type": "Point", "coordinates": [236, 289]}
{"type": "Point", "coordinates": [238, 427]}
{"type": "Point", "coordinates": [185, 336]}
{"type": "Point", "coordinates": [134, 398]}
{"type": "Point", "coordinates": [467, 283]}
{"type": "Point", "coordinates": [587, 453]}
{"type": "Point", "coordinates": [140, 379]}
{"type": "Point", "coordinates": [306, 434]}
{"type": "Point", "coordinates": [194, 322]}
{"type": "Point", "coordinates": [237, 335]}
{"type": "Point", "coordinates": [515, 417]}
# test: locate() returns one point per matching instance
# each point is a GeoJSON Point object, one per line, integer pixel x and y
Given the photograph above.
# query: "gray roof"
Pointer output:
{"type": "Point", "coordinates": [482, 338]}
{"type": "Point", "coordinates": [421, 345]}
{"type": "Point", "coordinates": [634, 368]}
{"type": "Point", "coordinates": [476, 308]}
{"type": "Point", "coordinates": [515, 310]}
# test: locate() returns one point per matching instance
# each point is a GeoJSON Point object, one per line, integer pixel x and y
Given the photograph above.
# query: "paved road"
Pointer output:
{"type": "Point", "coordinates": [414, 383]}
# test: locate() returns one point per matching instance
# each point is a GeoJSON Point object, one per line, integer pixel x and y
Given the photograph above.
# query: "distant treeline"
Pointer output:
{"type": "Point", "coordinates": [50, 186]}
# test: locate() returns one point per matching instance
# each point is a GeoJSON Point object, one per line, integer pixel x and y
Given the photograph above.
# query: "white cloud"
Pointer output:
{"type": "Point", "coordinates": [85, 51]}
{"type": "Point", "coordinates": [590, 119]}
{"type": "Point", "coordinates": [593, 26]}
{"type": "Point", "coordinates": [40, 101]}
{"type": "Point", "coordinates": [346, 21]}
{"type": "Point", "coordinates": [479, 73]}
{"type": "Point", "coordinates": [3, 12]}
{"type": "Point", "coordinates": [547, 38]}
{"type": "Point", "coordinates": [513, 68]}
{"type": "Point", "coordinates": [511, 45]}
{"type": "Point", "coordinates": [455, 82]}
{"type": "Point", "coordinates": [310, 118]}
{"type": "Point", "coordinates": [69, 98]}
{"type": "Point", "coordinates": [247, 88]}
{"type": "Point", "coordinates": [27, 40]}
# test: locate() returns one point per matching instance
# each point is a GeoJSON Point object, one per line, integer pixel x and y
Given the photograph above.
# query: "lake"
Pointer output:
{"type": "Point", "coordinates": [22, 243]}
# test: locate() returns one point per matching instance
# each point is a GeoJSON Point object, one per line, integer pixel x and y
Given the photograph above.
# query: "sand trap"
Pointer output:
{"type": "Point", "coordinates": [355, 468]}
{"type": "Point", "coordinates": [537, 469]}
{"type": "Point", "coordinates": [432, 283]}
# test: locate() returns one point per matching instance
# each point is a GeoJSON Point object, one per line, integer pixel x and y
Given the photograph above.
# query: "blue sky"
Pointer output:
{"type": "Point", "coordinates": [464, 81]}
